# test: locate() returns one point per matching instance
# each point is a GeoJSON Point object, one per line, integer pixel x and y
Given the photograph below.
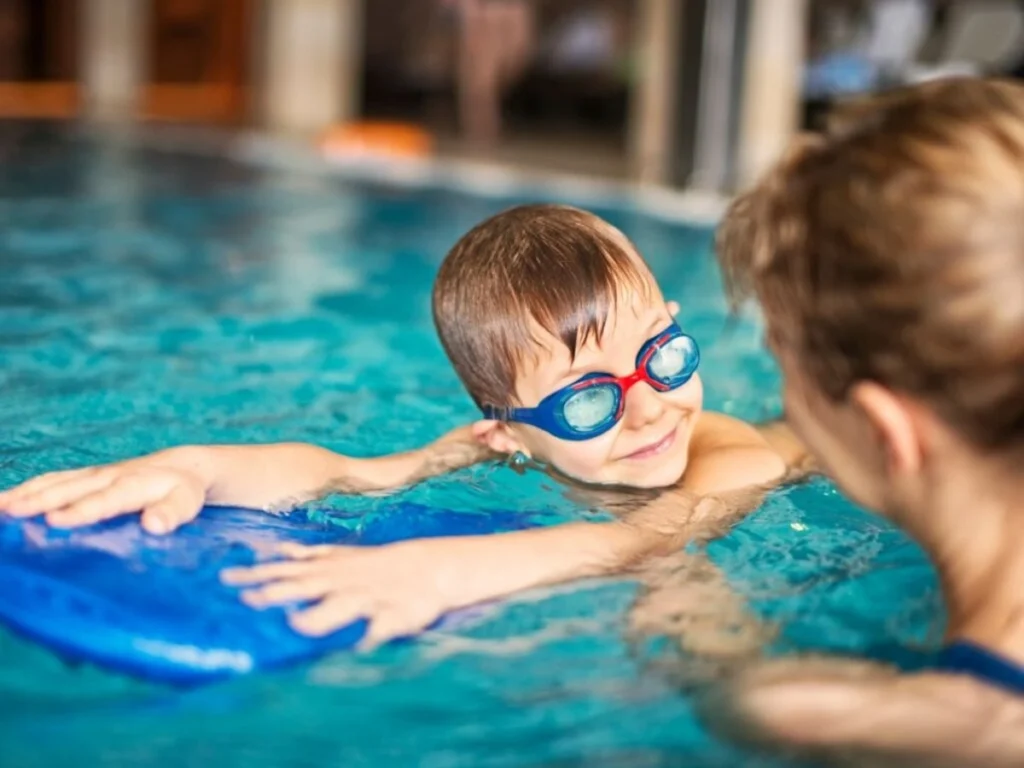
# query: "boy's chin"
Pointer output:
{"type": "Point", "coordinates": [664, 476]}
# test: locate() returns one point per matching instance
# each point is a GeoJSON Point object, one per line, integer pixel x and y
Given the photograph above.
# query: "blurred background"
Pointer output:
{"type": "Point", "coordinates": [684, 93]}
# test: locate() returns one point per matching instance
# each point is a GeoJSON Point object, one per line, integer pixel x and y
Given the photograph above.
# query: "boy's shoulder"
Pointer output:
{"type": "Point", "coordinates": [727, 453]}
{"type": "Point", "coordinates": [715, 431]}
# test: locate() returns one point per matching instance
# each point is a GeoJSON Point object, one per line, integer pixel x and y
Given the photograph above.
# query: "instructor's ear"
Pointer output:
{"type": "Point", "coordinates": [895, 424]}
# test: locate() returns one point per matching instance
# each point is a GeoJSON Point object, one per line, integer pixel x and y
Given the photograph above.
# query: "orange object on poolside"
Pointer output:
{"type": "Point", "coordinates": [377, 138]}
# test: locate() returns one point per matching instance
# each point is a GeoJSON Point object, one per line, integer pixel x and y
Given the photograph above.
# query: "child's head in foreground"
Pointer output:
{"type": "Point", "coordinates": [888, 256]}
{"type": "Point", "coordinates": [540, 309]}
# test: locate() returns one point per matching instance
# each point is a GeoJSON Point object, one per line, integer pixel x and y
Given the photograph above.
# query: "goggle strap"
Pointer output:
{"type": "Point", "coordinates": [506, 412]}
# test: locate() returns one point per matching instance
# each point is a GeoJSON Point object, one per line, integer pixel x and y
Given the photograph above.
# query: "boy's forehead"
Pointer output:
{"type": "Point", "coordinates": [631, 314]}
{"type": "Point", "coordinates": [629, 318]}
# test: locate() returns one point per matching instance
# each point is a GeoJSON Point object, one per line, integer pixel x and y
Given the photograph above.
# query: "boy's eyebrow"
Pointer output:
{"type": "Point", "coordinates": [658, 323]}
{"type": "Point", "coordinates": [579, 365]}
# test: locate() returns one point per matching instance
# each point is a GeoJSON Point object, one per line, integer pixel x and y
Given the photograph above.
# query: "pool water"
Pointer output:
{"type": "Point", "coordinates": [151, 297]}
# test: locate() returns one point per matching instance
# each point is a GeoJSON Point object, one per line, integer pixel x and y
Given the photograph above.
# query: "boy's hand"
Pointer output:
{"type": "Point", "coordinates": [168, 496]}
{"type": "Point", "coordinates": [399, 588]}
{"type": "Point", "coordinates": [403, 588]}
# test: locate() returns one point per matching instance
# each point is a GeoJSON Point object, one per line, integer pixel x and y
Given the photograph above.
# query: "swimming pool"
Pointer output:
{"type": "Point", "coordinates": [151, 297]}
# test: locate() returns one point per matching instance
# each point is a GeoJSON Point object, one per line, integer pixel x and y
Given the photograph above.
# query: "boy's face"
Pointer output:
{"type": "Point", "coordinates": [649, 446]}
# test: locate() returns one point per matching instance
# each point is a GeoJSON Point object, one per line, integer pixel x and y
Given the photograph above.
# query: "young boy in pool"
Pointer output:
{"type": "Point", "coordinates": [562, 337]}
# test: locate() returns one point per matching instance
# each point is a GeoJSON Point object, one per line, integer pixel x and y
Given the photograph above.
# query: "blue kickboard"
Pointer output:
{"type": "Point", "coordinates": [154, 606]}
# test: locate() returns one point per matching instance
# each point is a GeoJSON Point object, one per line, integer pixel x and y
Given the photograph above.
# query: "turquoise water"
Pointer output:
{"type": "Point", "coordinates": [150, 298]}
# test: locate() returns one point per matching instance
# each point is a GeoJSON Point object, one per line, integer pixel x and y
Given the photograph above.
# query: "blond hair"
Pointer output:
{"type": "Point", "coordinates": [891, 249]}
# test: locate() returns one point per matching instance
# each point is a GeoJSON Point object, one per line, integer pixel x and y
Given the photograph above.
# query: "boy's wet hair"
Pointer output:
{"type": "Point", "coordinates": [891, 249]}
{"type": "Point", "coordinates": [551, 266]}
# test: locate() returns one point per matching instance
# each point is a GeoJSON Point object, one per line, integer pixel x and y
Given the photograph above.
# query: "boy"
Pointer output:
{"type": "Point", "coordinates": [562, 337]}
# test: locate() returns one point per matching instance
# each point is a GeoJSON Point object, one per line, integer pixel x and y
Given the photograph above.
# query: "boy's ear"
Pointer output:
{"type": "Point", "coordinates": [498, 436]}
{"type": "Point", "coordinates": [673, 308]}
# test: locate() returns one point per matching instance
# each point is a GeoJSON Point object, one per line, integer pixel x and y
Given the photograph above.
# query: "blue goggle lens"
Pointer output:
{"type": "Point", "coordinates": [675, 361]}
{"type": "Point", "coordinates": [589, 408]}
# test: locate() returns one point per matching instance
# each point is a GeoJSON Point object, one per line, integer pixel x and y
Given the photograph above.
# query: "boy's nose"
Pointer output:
{"type": "Point", "coordinates": [643, 406]}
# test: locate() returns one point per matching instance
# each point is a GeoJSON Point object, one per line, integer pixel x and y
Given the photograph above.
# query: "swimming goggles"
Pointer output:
{"type": "Point", "coordinates": [592, 405]}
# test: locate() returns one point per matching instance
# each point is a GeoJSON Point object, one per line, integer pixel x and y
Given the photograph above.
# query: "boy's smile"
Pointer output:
{"type": "Point", "coordinates": [656, 448]}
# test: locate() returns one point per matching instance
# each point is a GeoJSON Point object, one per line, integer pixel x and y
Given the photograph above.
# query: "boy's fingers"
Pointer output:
{"type": "Point", "coordinates": [335, 612]}
{"type": "Point", "coordinates": [36, 484]}
{"type": "Point", "coordinates": [303, 552]}
{"type": "Point", "coordinates": [287, 569]}
{"type": "Point", "coordinates": [60, 493]}
{"type": "Point", "coordinates": [389, 625]}
{"type": "Point", "coordinates": [288, 591]}
{"type": "Point", "coordinates": [123, 496]}
{"type": "Point", "coordinates": [175, 509]}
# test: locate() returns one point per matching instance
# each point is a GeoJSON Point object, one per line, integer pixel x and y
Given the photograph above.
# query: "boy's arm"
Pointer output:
{"type": "Point", "coordinates": [404, 587]}
{"type": "Point", "coordinates": [171, 486]}
{"type": "Point", "coordinates": [285, 474]}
